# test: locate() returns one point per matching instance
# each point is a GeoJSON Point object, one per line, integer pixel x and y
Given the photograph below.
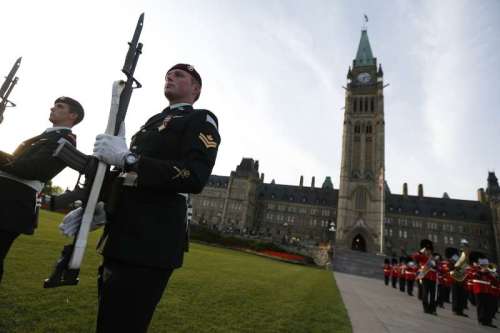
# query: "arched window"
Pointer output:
{"type": "Point", "coordinates": [355, 104]}
{"type": "Point", "coordinates": [366, 104]}
{"type": "Point", "coordinates": [372, 104]}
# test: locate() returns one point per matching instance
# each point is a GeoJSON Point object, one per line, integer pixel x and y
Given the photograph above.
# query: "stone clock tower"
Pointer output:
{"type": "Point", "coordinates": [360, 204]}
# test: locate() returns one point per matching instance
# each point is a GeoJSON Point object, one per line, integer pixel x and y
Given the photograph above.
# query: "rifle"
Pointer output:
{"type": "Point", "coordinates": [67, 268]}
{"type": "Point", "coordinates": [7, 86]}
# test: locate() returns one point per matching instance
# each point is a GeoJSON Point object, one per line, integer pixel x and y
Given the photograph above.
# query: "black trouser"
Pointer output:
{"type": "Point", "coordinates": [469, 296]}
{"type": "Point", "coordinates": [447, 293]}
{"type": "Point", "coordinates": [458, 297]}
{"type": "Point", "coordinates": [485, 305]}
{"type": "Point", "coordinates": [419, 292]}
{"type": "Point", "coordinates": [429, 295]}
{"type": "Point", "coordinates": [441, 294]}
{"type": "Point", "coordinates": [386, 280]}
{"type": "Point", "coordinates": [394, 281]}
{"type": "Point", "coordinates": [128, 296]}
{"type": "Point", "coordinates": [6, 240]}
{"type": "Point", "coordinates": [409, 286]}
{"type": "Point", "coordinates": [402, 284]}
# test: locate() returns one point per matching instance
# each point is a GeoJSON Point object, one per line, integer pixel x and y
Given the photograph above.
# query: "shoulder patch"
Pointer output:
{"type": "Point", "coordinates": [212, 121]}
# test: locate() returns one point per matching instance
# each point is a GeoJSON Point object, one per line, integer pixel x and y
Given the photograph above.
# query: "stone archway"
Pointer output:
{"type": "Point", "coordinates": [358, 243]}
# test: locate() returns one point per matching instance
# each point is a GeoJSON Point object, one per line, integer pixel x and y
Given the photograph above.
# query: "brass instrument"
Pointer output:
{"type": "Point", "coordinates": [458, 273]}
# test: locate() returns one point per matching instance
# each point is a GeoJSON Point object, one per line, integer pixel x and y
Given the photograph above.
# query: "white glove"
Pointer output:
{"type": "Point", "coordinates": [111, 149]}
{"type": "Point", "coordinates": [73, 219]}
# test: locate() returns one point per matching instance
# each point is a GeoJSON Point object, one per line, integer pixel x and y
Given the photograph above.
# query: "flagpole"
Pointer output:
{"type": "Point", "coordinates": [381, 178]}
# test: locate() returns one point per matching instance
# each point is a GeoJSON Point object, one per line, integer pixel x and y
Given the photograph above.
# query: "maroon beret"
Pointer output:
{"type": "Point", "coordinates": [188, 68]}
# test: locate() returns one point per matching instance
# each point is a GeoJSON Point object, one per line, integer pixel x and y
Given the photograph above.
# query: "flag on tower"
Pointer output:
{"type": "Point", "coordinates": [366, 18]}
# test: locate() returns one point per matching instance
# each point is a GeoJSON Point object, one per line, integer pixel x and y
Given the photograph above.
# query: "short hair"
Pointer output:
{"type": "Point", "coordinates": [74, 106]}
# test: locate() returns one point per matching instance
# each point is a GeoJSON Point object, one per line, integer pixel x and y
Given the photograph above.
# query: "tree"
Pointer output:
{"type": "Point", "coordinates": [50, 189]}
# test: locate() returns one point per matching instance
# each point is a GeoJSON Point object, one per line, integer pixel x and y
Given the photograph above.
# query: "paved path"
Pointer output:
{"type": "Point", "coordinates": [375, 308]}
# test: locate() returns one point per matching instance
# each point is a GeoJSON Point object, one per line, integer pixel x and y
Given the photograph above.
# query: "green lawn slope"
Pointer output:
{"type": "Point", "coordinates": [217, 290]}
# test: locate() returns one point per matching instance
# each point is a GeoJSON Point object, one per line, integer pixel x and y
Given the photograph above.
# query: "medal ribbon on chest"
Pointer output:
{"type": "Point", "coordinates": [165, 122]}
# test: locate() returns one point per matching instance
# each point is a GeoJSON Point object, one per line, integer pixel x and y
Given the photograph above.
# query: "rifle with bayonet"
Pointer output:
{"type": "Point", "coordinates": [7, 86]}
{"type": "Point", "coordinates": [67, 268]}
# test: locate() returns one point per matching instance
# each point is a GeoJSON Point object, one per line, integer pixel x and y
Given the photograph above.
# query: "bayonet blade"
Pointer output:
{"type": "Point", "coordinates": [10, 78]}
{"type": "Point", "coordinates": [127, 66]}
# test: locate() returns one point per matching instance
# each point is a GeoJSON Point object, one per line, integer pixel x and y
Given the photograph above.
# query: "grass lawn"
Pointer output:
{"type": "Point", "coordinates": [217, 290]}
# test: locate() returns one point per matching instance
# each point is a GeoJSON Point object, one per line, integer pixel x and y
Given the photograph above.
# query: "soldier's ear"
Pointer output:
{"type": "Point", "coordinates": [196, 91]}
{"type": "Point", "coordinates": [74, 117]}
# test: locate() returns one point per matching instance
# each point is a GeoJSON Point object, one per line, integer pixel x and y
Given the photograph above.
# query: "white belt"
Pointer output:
{"type": "Point", "coordinates": [481, 282]}
{"type": "Point", "coordinates": [34, 184]}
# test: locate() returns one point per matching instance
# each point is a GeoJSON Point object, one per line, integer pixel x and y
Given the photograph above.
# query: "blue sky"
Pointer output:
{"type": "Point", "coordinates": [273, 73]}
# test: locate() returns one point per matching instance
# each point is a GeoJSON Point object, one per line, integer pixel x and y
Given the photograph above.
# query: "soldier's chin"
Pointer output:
{"type": "Point", "coordinates": [169, 94]}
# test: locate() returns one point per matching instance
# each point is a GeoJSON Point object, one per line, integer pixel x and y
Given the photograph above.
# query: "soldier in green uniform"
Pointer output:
{"type": "Point", "coordinates": [23, 173]}
{"type": "Point", "coordinates": [171, 156]}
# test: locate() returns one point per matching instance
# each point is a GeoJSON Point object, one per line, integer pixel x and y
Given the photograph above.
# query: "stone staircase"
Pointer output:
{"type": "Point", "coordinates": [358, 263]}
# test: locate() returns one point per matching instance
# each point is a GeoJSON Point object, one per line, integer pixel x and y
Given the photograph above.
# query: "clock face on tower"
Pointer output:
{"type": "Point", "coordinates": [364, 77]}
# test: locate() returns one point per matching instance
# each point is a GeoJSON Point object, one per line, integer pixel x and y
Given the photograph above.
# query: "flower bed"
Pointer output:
{"type": "Point", "coordinates": [284, 255]}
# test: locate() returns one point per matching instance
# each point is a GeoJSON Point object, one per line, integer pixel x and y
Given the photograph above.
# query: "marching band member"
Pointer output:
{"type": "Point", "coordinates": [458, 288]}
{"type": "Point", "coordinates": [394, 272]}
{"type": "Point", "coordinates": [387, 271]}
{"type": "Point", "coordinates": [410, 275]}
{"type": "Point", "coordinates": [427, 276]}
{"type": "Point", "coordinates": [447, 280]}
{"type": "Point", "coordinates": [482, 283]}
{"type": "Point", "coordinates": [402, 275]}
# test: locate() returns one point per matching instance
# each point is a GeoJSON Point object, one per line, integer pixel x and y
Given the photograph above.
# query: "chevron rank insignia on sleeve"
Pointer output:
{"type": "Point", "coordinates": [208, 140]}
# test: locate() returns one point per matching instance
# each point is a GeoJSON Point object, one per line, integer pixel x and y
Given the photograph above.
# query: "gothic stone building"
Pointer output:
{"type": "Point", "coordinates": [362, 214]}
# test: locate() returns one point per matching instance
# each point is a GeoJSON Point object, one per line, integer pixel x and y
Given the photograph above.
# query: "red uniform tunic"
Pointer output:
{"type": "Point", "coordinates": [423, 262]}
{"type": "Point", "coordinates": [411, 272]}
{"type": "Point", "coordinates": [445, 278]}
{"type": "Point", "coordinates": [470, 274]}
{"type": "Point", "coordinates": [387, 270]}
{"type": "Point", "coordinates": [482, 282]}
{"type": "Point", "coordinates": [395, 271]}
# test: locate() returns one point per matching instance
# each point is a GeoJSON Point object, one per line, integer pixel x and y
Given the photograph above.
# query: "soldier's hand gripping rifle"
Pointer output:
{"type": "Point", "coordinates": [67, 267]}
{"type": "Point", "coordinates": [7, 86]}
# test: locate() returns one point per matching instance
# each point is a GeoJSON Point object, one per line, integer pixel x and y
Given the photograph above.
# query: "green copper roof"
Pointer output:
{"type": "Point", "coordinates": [327, 183]}
{"type": "Point", "coordinates": [364, 57]}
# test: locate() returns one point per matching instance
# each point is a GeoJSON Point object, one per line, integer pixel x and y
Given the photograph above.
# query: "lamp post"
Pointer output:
{"type": "Point", "coordinates": [332, 228]}
{"type": "Point", "coordinates": [285, 232]}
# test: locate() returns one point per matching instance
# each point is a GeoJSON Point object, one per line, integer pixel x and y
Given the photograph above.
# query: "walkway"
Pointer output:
{"type": "Point", "coordinates": [375, 308]}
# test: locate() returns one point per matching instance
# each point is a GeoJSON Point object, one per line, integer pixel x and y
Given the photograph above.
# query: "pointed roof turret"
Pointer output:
{"type": "Point", "coordinates": [364, 57]}
{"type": "Point", "coordinates": [493, 187]}
{"type": "Point", "coordinates": [327, 183]}
{"type": "Point", "coordinates": [349, 73]}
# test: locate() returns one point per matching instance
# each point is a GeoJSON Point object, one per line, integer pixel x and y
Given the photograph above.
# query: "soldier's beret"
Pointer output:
{"type": "Point", "coordinates": [75, 106]}
{"type": "Point", "coordinates": [188, 68]}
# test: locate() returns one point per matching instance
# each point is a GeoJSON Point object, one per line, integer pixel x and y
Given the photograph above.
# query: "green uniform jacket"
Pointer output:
{"type": "Point", "coordinates": [32, 160]}
{"type": "Point", "coordinates": [177, 150]}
